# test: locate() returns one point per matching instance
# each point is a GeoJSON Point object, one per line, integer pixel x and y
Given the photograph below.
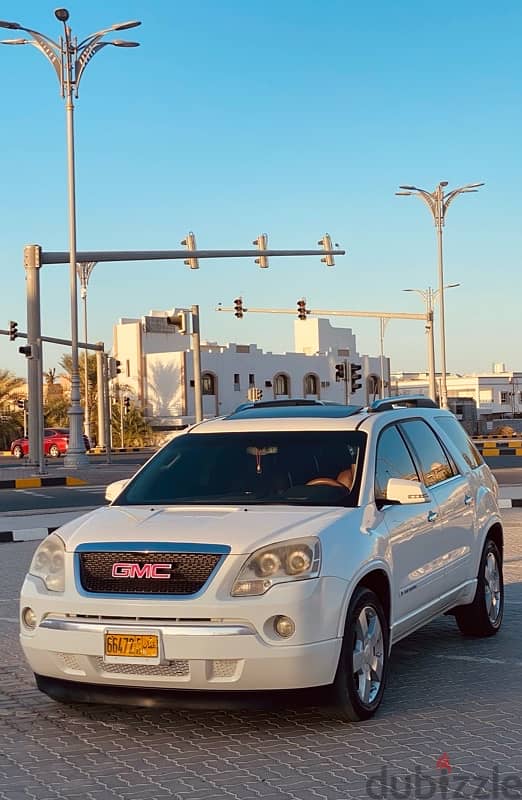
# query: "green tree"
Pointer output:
{"type": "Point", "coordinates": [136, 430]}
{"type": "Point", "coordinates": [11, 420]}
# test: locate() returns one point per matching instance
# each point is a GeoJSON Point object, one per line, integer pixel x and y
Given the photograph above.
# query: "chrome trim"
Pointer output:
{"type": "Point", "coordinates": [55, 624]}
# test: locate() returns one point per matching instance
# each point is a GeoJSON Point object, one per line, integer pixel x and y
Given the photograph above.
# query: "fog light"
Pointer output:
{"type": "Point", "coordinates": [284, 626]}
{"type": "Point", "coordinates": [29, 618]}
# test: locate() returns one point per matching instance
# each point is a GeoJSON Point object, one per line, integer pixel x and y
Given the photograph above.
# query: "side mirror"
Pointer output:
{"type": "Point", "coordinates": [405, 492]}
{"type": "Point", "coordinates": [114, 489]}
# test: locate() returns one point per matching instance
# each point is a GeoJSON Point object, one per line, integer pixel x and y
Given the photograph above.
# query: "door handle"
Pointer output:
{"type": "Point", "coordinates": [468, 499]}
{"type": "Point", "coordinates": [432, 516]}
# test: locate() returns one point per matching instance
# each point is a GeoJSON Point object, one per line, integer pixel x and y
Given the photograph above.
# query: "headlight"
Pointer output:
{"type": "Point", "coordinates": [49, 563]}
{"type": "Point", "coordinates": [279, 563]}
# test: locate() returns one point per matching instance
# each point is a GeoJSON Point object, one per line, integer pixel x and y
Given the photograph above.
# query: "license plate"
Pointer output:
{"type": "Point", "coordinates": [134, 647]}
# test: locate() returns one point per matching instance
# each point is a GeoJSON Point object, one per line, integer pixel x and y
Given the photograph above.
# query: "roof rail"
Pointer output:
{"type": "Point", "coordinates": [296, 401]}
{"type": "Point", "coordinates": [402, 401]}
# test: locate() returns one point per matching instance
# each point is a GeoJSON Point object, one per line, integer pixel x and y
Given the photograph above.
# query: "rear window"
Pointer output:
{"type": "Point", "coordinates": [461, 440]}
{"type": "Point", "coordinates": [261, 468]}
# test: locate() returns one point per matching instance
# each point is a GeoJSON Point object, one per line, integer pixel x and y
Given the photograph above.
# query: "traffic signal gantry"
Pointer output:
{"type": "Point", "coordinates": [350, 374]}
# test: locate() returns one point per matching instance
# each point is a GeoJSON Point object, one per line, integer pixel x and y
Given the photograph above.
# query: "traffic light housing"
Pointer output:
{"type": "Point", "coordinates": [126, 404]}
{"type": "Point", "coordinates": [238, 307]}
{"type": "Point", "coordinates": [326, 244]}
{"type": "Point", "coordinates": [302, 311]}
{"type": "Point", "coordinates": [22, 404]}
{"type": "Point", "coordinates": [26, 350]}
{"type": "Point", "coordinates": [355, 377]}
{"type": "Point", "coordinates": [179, 320]}
{"type": "Point", "coordinates": [13, 330]}
{"type": "Point", "coordinates": [262, 242]}
{"type": "Point", "coordinates": [114, 367]}
{"type": "Point", "coordinates": [254, 393]}
{"type": "Point", "coordinates": [340, 372]}
{"type": "Point", "coordinates": [190, 243]}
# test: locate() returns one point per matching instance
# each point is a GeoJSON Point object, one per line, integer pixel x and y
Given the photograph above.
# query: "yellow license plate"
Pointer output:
{"type": "Point", "coordinates": [130, 645]}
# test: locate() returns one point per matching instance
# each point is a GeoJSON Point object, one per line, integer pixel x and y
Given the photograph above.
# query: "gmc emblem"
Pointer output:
{"type": "Point", "coordinates": [128, 569]}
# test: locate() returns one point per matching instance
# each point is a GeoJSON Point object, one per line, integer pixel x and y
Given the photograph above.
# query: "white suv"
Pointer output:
{"type": "Point", "coordinates": [284, 546]}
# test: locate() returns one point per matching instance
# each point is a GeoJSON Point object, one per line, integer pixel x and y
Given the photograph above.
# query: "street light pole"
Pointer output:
{"type": "Point", "coordinates": [69, 59]}
{"type": "Point", "coordinates": [84, 269]}
{"type": "Point", "coordinates": [430, 298]}
{"type": "Point", "coordinates": [438, 202]}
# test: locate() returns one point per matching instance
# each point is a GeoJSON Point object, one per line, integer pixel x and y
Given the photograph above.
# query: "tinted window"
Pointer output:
{"type": "Point", "coordinates": [251, 468]}
{"type": "Point", "coordinates": [459, 437]}
{"type": "Point", "coordinates": [433, 460]}
{"type": "Point", "coordinates": [393, 460]}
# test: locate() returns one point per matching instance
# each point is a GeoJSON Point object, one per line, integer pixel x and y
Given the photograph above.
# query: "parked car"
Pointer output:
{"type": "Point", "coordinates": [279, 547]}
{"type": "Point", "coordinates": [56, 443]}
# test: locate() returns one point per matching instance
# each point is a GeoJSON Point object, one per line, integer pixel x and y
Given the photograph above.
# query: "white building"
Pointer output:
{"type": "Point", "coordinates": [157, 369]}
{"type": "Point", "coordinates": [496, 394]}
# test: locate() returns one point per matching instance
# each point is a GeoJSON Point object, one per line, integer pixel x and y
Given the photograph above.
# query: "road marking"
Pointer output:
{"type": "Point", "coordinates": [36, 494]}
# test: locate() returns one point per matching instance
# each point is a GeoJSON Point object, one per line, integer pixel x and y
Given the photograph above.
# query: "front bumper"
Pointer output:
{"type": "Point", "coordinates": [202, 647]}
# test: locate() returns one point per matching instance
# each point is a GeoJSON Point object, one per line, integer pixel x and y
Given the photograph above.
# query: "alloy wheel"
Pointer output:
{"type": "Point", "coordinates": [368, 655]}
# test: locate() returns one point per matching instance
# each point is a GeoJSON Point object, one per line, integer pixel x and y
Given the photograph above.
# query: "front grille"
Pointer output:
{"type": "Point", "coordinates": [187, 574]}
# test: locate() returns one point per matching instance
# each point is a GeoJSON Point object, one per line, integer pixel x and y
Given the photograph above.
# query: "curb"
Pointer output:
{"type": "Point", "coordinates": [26, 535]}
{"type": "Point", "coordinates": [36, 483]}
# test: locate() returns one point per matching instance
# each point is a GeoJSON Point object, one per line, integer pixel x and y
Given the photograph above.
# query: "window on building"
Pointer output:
{"type": "Point", "coordinates": [504, 397]}
{"type": "Point", "coordinates": [127, 368]}
{"type": "Point", "coordinates": [208, 383]}
{"type": "Point", "coordinates": [237, 382]}
{"type": "Point", "coordinates": [251, 379]}
{"type": "Point", "coordinates": [281, 385]}
{"type": "Point", "coordinates": [311, 384]}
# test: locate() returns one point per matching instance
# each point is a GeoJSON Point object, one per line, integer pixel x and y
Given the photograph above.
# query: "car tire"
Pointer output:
{"type": "Point", "coordinates": [18, 451]}
{"type": "Point", "coordinates": [483, 617]}
{"type": "Point", "coordinates": [358, 688]}
{"type": "Point", "coordinates": [54, 451]}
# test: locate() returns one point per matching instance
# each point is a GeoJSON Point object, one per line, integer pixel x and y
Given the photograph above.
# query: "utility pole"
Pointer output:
{"type": "Point", "coordinates": [196, 357]}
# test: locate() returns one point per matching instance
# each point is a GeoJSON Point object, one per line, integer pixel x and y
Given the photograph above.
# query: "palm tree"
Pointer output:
{"type": "Point", "coordinates": [10, 421]}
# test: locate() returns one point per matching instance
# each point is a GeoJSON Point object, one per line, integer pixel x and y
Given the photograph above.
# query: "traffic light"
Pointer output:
{"type": "Point", "coordinates": [340, 372]}
{"type": "Point", "coordinates": [179, 320]}
{"type": "Point", "coordinates": [13, 330]}
{"type": "Point", "coordinates": [190, 243]}
{"type": "Point", "coordinates": [355, 377]}
{"type": "Point", "coordinates": [26, 351]}
{"type": "Point", "coordinates": [262, 242]}
{"type": "Point", "coordinates": [126, 404]}
{"type": "Point", "coordinates": [254, 393]}
{"type": "Point", "coordinates": [22, 404]}
{"type": "Point", "coordinates": [302, 310]}
{"type": "Point", "coordinates": [326, 244]}
{"type": "Point", "coordinates": [114, 367]}
{"type": "Point", "coordinates": [238, 307]}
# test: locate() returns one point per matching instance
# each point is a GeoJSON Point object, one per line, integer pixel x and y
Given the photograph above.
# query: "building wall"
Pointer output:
{"type": "Point", "coordinates": [157, 368]}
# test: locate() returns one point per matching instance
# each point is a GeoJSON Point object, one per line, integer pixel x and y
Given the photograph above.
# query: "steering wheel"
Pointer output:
{"type": "Point", "coordinates": [325, 482]}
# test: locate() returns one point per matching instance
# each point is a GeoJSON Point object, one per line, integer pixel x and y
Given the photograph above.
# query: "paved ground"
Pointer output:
{"type": "Point", "coordinates": [450, 702]}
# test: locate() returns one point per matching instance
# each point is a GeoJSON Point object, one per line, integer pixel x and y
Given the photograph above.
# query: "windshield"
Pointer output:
{"type": "Point", "coordinates": [314, 468]}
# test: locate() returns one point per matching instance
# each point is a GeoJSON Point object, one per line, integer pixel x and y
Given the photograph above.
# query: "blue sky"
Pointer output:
{"type": "Point", "coordinates": [291, 118]}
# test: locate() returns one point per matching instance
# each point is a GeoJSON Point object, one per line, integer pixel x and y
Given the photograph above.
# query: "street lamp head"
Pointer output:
{"type": "Point", "coordinates": [124, 43]}
{"type": "Point", "coordinates": [14, 41]}
{"type": "Point", "coordinates": [13, 26]}
{"type": "Point", "coordinates": [61, 14]}
{"type": "Point", "coordinates": [443, 183]}
{"type": "Point", "coordinates": [403, 194]}
{"type": "Point", "coordinates": [409, 188]}
{"type": "Point", "coordinates": [475, 185]}
{"type": "Point", "coordinates": [124, 26]}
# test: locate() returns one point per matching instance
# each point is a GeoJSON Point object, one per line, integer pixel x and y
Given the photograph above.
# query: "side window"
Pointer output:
{"type": "Point", "coordinates": [434, 462]}
{"type": "Point", "coordinates": [393, 460]}
{"type": "Point", "coordinates": [459, 437]}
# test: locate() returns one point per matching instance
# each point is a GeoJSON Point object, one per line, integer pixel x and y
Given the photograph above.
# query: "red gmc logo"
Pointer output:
{"type": "Point", "coordinates": [127, 569]}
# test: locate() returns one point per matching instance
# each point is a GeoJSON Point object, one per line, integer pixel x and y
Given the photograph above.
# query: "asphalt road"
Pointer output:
{"type": "Point", "coordinates": [450, 701]}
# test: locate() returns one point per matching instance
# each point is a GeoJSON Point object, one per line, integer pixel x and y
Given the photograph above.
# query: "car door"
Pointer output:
{"type": "Point", "coordinates": [455, 497]}
{"type": "Point", "coordinates": [413, 535]}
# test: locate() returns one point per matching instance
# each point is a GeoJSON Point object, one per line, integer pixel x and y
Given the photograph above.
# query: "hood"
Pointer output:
{"type": "Point", "coordinates": [238, 527]}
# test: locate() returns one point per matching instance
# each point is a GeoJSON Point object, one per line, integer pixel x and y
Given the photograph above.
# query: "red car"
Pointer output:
{"type": "Point", "coordinates": [56, 443]}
